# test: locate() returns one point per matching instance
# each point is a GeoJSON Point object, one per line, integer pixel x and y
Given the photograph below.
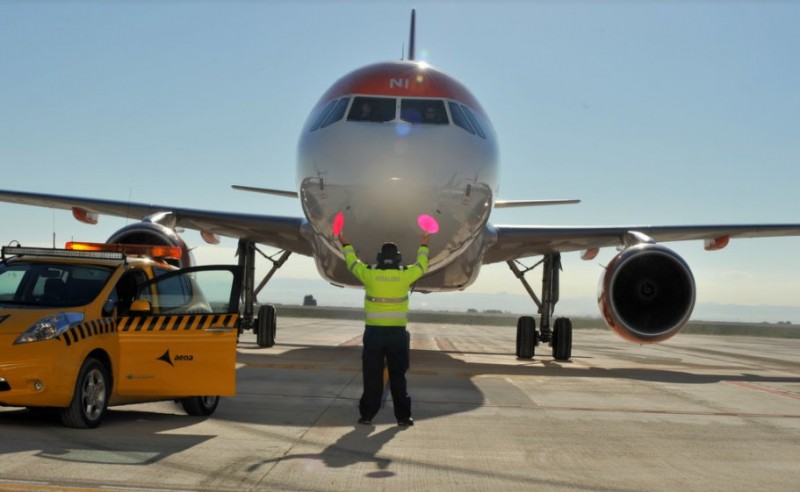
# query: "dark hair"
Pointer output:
{"type": "Point", "coordinates": [389, 257]}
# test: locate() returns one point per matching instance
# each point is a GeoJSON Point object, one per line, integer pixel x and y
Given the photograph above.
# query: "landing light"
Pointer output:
{"type": "Point", "coordinates": [170, 252]}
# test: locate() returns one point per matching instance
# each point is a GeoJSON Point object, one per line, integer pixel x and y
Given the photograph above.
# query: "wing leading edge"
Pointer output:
{"type": "Point", "coordinates": [281, 232]}
{"type": "Point", "coordinates": [514, 242]}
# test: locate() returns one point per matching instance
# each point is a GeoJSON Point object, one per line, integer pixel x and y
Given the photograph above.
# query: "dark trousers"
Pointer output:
{"type": "Point", "coordinates": [391, 344]}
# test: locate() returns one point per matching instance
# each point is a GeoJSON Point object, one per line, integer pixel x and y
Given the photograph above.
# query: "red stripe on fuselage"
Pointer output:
{"type": "Point", "coordinates": [401, 79]}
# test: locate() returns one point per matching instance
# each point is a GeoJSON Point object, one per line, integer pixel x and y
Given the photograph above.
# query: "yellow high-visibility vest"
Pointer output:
{"type": "Point", "coordinates": [386, 291]}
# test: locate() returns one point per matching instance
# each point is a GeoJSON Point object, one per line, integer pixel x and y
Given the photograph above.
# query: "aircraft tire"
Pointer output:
{"type": "Point", "coordinates": [562, 339]}
{"type": "Point", "coordinates": [90, 399]}
{"type": "Point", "coordinates": [266, 326]}
{"type": "Point", "coordinates": [200, 406]}
{"type": "Point", "coordinates": [526, 337]}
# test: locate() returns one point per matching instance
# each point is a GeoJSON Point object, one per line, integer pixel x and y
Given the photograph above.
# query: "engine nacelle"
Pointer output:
{"type": "Point", "coordinates": [647, 293]}
{"type": "Point", "coordinates": [152, 233]}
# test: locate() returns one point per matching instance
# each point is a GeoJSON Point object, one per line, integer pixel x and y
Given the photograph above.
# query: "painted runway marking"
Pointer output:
{"type": "Point", "coordinates": [766, 389]}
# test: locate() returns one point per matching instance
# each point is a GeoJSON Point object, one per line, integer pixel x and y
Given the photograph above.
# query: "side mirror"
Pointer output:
{"type": "Point", "coordinates": [141, 306]}
{"type": "Point", "coordinates": [108, 307]}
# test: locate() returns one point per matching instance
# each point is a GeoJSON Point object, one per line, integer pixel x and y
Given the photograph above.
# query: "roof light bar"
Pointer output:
{"type": "Point", "coordinates": [60, 253]}
{"type": "Point", "coordinates": [171, 252]}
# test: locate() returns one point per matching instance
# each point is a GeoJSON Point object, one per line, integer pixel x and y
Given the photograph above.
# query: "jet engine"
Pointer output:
{"type": "Point", "coordinates": [154, 234]}
{"type": "Point", "coordinates": [647, 293]}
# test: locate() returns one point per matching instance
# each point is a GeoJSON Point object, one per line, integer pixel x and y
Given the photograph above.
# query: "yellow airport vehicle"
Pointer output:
{"type": "Point", "coordinates": [93, 325]}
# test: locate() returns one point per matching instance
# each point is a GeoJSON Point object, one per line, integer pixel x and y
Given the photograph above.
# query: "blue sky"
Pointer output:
{"type": "Point", "coordinates": [649, 112]}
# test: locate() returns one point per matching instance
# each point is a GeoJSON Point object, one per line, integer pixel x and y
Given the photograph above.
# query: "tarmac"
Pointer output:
{"type": "Point", "coordinates": [698, 412]}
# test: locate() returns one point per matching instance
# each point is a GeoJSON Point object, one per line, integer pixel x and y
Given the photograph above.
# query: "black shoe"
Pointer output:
{"type": "Point", "coordinates": [364, 421]}
{"type": "Point", "coordinates": [406, 422]}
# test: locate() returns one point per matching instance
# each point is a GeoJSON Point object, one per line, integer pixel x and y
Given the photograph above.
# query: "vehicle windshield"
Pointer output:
{"type": "Point", "coordinates": [51, 284]}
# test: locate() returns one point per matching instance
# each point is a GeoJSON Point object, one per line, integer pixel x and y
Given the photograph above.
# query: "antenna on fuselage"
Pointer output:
{"type": "Point", "coordinates": [412, 35]}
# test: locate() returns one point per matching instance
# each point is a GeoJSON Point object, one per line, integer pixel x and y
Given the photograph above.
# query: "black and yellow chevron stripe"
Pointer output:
{"type": "Point", "coordinates": [88, 329]}
{"type": "Point", "coordinates": [184, 322]}
{"type": "Point", "coordinates": [177, 322]}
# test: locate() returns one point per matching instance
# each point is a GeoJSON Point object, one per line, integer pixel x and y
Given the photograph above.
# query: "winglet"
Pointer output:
{"type": "Point", "coordinates": [412, 35]}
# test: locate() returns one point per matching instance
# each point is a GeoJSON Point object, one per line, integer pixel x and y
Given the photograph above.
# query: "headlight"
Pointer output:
{"type": "Point", "coordinates": [49, 327]}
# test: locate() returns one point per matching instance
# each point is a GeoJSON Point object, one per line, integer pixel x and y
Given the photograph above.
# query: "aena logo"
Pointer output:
{"type": "Point", "coordinates": [178, 358]}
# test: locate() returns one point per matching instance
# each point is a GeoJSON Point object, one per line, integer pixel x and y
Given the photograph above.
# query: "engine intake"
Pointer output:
{"type": "Point", "coordinates": [647, 293]}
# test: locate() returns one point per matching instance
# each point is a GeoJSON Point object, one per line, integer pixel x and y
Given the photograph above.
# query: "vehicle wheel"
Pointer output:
{"type": "Point", "coordinates": [266, 326]}
{"type": "Point", "coordinates": [90, 399]}
{"type": "Point", "coordinates": [201, 406]}
{"type": "Point", "coordinates": [562, 339]}
{"type": "Point", "coordinates": [526, 337]}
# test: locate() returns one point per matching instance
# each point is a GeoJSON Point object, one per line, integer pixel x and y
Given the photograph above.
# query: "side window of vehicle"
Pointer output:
{"type": "Point", "coordinates": [172, 294]}
{"type": "Point", "coordinates": [124, 293]}
{"type": "Point", "coordinates": [201, 290]}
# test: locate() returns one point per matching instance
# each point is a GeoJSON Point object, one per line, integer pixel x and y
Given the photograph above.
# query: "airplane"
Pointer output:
{"type": "Point", "coordinates": [394, 141]}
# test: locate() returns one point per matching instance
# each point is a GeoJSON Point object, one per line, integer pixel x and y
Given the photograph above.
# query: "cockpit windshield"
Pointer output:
{"type": "Point", "coordinates": [426, 111]}
{"type": "Point", "coordinates": [375, 109]}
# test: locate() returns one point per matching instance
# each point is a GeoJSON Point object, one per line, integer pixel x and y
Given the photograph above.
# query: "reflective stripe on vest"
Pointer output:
{"type": "Point", "coordinates": [387, 315]}
{"type": "Point", "coordinates": [388, 300]}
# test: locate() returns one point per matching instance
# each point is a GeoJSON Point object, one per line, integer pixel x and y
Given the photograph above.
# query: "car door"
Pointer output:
{"type": "Point", "coordinates": [179, 338]}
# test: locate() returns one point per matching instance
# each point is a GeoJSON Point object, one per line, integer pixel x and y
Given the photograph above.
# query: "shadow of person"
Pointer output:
{"type": "Point", "coordinates": [357, 446]}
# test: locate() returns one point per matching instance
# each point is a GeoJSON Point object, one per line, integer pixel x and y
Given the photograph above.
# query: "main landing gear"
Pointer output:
{"type": "Point", "coordinates": [264, 326]}
{"type": "Point", "coordinates": [560, 337]}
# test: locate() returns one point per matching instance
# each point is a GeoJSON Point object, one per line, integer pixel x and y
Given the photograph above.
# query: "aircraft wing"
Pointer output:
{"type": "Point", "coordinates": [521, 241]}
{"type": "Point", "coordinates": [280, 232]}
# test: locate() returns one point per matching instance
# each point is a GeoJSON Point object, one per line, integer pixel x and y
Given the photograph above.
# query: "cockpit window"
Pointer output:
{"type": "Point", "coordinates": [430, 111]}
{"type": "Point", "coordinates": [337, 113]}
{"type": "Point", "coordinates": [375, 109]}
{"type": "Point", "coordinates": [474, 121]}
{"type": "Point", "coordinates": [459, 118]}
{"type": "Point", "coordinates": [322, 115]}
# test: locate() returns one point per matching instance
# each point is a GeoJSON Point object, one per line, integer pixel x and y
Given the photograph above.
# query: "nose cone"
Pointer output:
{"type": "Point", "coordinates": [384, 176]}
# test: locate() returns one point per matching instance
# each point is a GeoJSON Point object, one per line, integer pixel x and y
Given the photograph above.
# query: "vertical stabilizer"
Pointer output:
{"type": "Point", "coordinates": [412, 35]}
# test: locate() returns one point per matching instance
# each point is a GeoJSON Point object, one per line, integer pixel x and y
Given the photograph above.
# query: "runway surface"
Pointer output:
{"type": "Point", "coordinates": [696, 413]}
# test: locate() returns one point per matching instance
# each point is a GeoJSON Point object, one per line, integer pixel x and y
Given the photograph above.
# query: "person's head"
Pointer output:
{"type": "Point", "coordinates": [430, 113]}
{"type": "Point", "coordinates": [389, 257]}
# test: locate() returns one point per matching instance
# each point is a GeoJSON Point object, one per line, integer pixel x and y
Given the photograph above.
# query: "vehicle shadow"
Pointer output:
{"type": "Point", "coordinates": [145, 439]}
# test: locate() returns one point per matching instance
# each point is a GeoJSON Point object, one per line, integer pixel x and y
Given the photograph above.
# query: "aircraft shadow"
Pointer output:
{"type": "Point", "coordinates": [300, 383]}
